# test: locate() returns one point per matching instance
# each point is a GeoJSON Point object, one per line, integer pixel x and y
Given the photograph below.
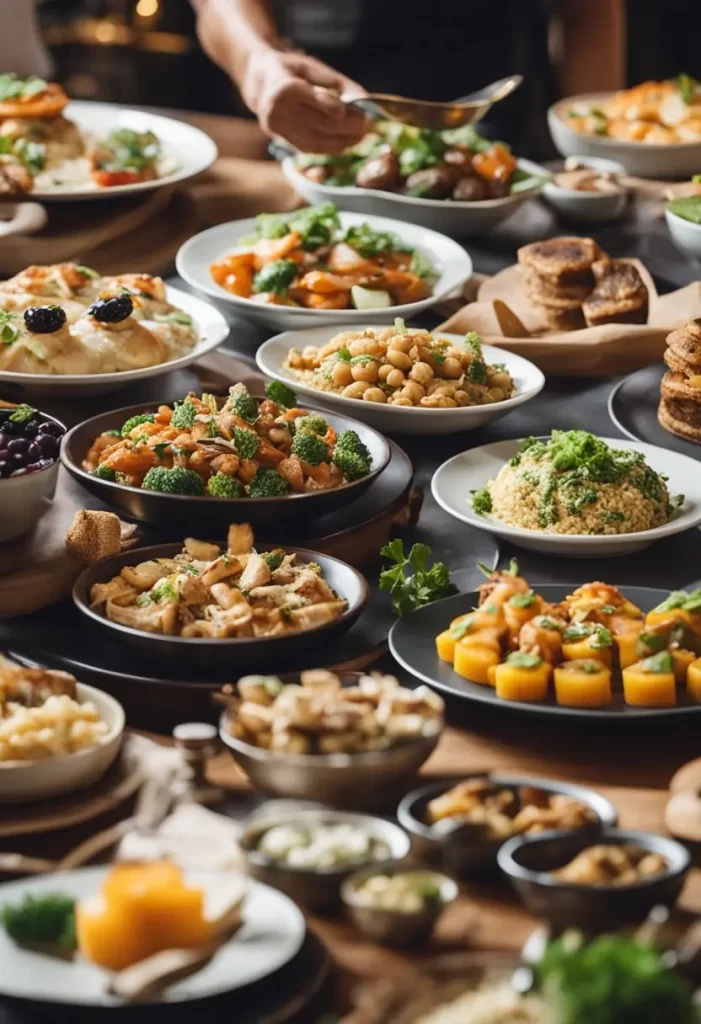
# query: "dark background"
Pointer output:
{"type": "Point", "coordinates": [146, 52]}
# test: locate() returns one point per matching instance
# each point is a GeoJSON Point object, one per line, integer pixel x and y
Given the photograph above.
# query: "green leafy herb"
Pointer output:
{"type": "Point", "coordinates": [613, 517]}
{"type": "Point", "coordinates": [9, 332]}
{"type": "Point", "coordinates": [344, 355]}
{"type": "Point", "coordinates": [165, 591]}
{"type": "Point", "coordinates": [650, 643]}
{"type": "Point", "coordinates": [127, 150]}
{"type": "Point", "coordinates": [524, 659]}
{"type": "Point", "coordinates": [23, 414]}
{"type": "Point", "coordinates": [32, 154]}
{"type": "Point", "coordinates": [659, 663]}
{"type": "Point", "coordinates": [14, 87]}
{"type": "Point", "coordinates": [687, 87]}
{"type": "Point", "coordinates": [410, 581]}
{"type": "Point", "coordinates": [522, 600]}
{"type": "Point", "coordinates": [473, 343]}
{"type": "Point", "coordinates": [273, 559]}
{"type": "Point", "coordinates": [461, 629]}
{"type": "Point", "coordinates": [371, 243]}
{"type": "Point", "coordinates": [42, 920]}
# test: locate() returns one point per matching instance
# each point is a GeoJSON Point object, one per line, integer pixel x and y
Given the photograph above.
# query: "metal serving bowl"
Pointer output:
{"type": "Point", "coordinates": [317, 890]}
{"type": "Point", "coordinates": [358, 781]}
{"type": "Point", "coordinates": [464, 848]}
{"type": "Point", "coordinates": [398, 928]}
{"type": "Point", "coordinates": [217, 513]}
{"type": "Point", "coordinates": [239, 654]}
{"type": "Point", "coordinates": [529, 860]}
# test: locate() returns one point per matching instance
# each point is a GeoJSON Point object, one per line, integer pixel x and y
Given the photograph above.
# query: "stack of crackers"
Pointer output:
{"type": "Point", "coordinates": [680, 402]}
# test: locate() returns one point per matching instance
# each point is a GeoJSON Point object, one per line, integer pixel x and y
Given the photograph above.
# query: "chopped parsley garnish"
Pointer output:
{"type": "Point", "coordinates": [522, 600]}
{"type": "Point", "coordinates": [658, 663]}
{"type": "Point", "coordinates": [524, 659]}
{"type": "Point", "coordinates": [461, 629]}
{"type": "Point", "coordinates": [9, 332]}
{"type": "Point", "coordinates": [482, 501]}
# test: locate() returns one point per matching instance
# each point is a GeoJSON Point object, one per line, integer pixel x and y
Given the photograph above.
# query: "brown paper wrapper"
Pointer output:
{"type": "Point", "coordinates": [505, 317]}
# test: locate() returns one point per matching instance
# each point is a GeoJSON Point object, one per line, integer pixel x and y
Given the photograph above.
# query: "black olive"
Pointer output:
{"type": "Point", "coordinates": [44, 319]}
{"type": "Point", "coordinates": [112, 311]}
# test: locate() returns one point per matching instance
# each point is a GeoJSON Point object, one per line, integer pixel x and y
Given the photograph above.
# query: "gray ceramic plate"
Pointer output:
{"type": "Point", "coordinates": [633, 408]}
{"type": "Point", "coordinates": [272, 932]}
{"type": "Point", "coordinates": [412, 642]}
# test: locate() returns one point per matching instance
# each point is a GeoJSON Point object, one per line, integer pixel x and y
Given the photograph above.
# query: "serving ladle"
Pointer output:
{"type": "Point", "coordinates": [428, 114]}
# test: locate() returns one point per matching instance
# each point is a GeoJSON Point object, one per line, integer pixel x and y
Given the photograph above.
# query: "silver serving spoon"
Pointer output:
{"type": "Point", "coordinates": [435, 116]}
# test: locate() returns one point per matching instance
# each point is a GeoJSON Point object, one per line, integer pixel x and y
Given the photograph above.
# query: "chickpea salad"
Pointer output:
{"type": "Point", "coordinates": [247, 448]}
{"type": "Point", "coordinates": [402, 366]}
{"type": "Point", "coordinates": [307, 259]}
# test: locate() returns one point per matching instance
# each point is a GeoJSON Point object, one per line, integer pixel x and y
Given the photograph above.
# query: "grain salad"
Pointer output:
{"type": "Point", "coordinates": [574, 483]}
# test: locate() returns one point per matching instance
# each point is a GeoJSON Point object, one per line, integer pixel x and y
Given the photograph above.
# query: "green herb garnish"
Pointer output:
{"type": "Point", "coordinates": [410, 581]}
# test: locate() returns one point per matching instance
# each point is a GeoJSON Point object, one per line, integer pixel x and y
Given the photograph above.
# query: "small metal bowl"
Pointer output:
{"type": "Point", "coordinates": [465, 849]}
{"type": "Point", "coordinates": [396, 927]}
{"type": "Point", "coordinates": [529, 860]}
{"type": "Point", "coordinates": [360, 781]}
{"type": "Point", "coordinates": [217, 513]}
{"type": "Point", "coordinates": [318, 890]}
{"type": "Point", "coordinates": [240, 654]}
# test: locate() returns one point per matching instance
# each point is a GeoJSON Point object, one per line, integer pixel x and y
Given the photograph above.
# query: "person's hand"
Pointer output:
{"type": "Point", "coordinates": [296, 97]}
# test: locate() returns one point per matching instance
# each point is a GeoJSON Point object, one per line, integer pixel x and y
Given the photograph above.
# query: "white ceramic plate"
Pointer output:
{"type": "Point", "coordinates": [685, 234]}
{"type": "Point", "coordinates": [24, 781]}
{"type": "Point", "coordinates": [191, 149]}
{"type": "Point", "coordinates": [272, 932]}
{"type": "Point", "coordinates": [471, 470]}
{"type": "Point", "coordinates": [396, 419]}
{"type": "Point", "coordinates": [449, 215]}
{"type": "Point", "coordinates": [212, 329]}
{"type": "Point", "coordinates": [452, 264]}
{"type": "Point", "coordinates": [680, 160]}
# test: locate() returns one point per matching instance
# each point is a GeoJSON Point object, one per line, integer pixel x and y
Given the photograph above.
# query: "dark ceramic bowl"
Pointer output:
{"type": "Point", "coordinates": [464, 849]}
{"type": "Point", "coordinates": [241, 654]}
{"type": "Point", "coordinates": [529, 860]}
{"type": "Point", "coordinates": [217, 513]}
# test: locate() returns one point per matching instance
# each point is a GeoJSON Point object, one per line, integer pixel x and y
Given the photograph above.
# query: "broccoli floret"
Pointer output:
{"type": "Point", "coordinates": [309, 448]}
{"type": "Point", "coordinates": [173, 481]}
{"type": "Point", "coordinates": [273, 558]}
{"type": "Point", "coordinates": [267, 484]}
{"type": "Point", "coordinates": [276, 277]}
{"type": "Point", "coordinates": [105, 473]}
{"type": "Point", "coordinates": [241, 402]}
{"type": "Point", "coordinates": [184, 415]}
{"type": "Point", "coordinates": [313, 423]}
{"type": "Point", "coordinates": [222, 486]}
{"type": "Point", "coordinates": [136, 421]}
{"type": "Point", "coordinates": [352, 456]}
{"type": "Point", "coordinates": [246, 442]}
{"type": "Point", "coordinates": [281, 394]}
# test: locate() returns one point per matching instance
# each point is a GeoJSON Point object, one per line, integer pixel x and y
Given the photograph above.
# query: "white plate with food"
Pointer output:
{"type": "Point", "coordinates": [66, 329]}
{"type": "Point", "coordinates": [653, 130]}
{"type": "Point", "coordinates": [573, 495]}
{"type": "Point", "coordinates": [271, 932]}
{"type": "Point", "coordinates": [319, 265]}
{"type": "Point", "coordinates": [56, 735]}
{"type": "Point", "coordinates": [509, 378]}
{"type": "Point", "coordinates": [453, 181]}
{"type": "Point", "coordinates": [57, 150]}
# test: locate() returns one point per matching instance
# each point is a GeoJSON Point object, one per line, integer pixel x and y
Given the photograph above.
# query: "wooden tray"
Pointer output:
{"type": "Point", "coordinates": [115, 787]}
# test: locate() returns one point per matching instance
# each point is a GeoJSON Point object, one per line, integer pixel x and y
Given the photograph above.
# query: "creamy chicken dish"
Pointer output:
{"type": "Point", "coordinates": [42, 150]}
{"type": "Point", "coordinates": [66, 319]}
{"type": "Point", "coordinates": [208, 592]}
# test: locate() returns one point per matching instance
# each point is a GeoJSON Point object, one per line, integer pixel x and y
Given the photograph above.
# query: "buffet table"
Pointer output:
{"type": "Point", "coordinates": [629, 762]}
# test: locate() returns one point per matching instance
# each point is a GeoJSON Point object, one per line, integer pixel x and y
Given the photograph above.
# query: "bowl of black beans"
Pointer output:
{"type": "Point", "coordinates": [29, 445]}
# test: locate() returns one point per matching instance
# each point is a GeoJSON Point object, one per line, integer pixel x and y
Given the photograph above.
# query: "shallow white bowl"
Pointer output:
{"type": "Point", "coordinates": [471, 470]}
{"type": "Point", "coordinates": [685, 233]}
{"type": "Point", "coordinates": [212, 329]}
{"type": "Point", "coordinates": [449, 215]}
{"type": "Point", "coordinates": [396, 419]}
{"type": "Point", "coordinates": [589, 207]}
{"type": "Point", "coordinates": [451, 262]}
{"type": "Point", "coordinates": [680, 160]}
{"type": "Point", "coordinates": [192, 150]}
{"type": "Point", "coordinates": [25, 781]}
{"type": "Point", "coordinates": [24, 500]}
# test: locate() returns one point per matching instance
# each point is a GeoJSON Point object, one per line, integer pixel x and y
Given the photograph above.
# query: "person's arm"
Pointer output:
{"type": "Point", "coordinates": [591, 46]}
{"type": "Point", "coordinates": [292, 95]}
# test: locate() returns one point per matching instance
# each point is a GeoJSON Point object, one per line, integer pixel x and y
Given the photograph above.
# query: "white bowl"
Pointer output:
{"type": "Point", "coordinates": [192, 150]}
{"type": "Point", "coordinates": [449, 215]}
{"type": "Point", "coordinates": [212, 329]}
{"type": "Point", "coordinates": [685, 233]}
{"type": "Point", "coordinates": [451, 262]}
{"type": "Point", "coordinates": [589, 207]}
{"type": "Point", "coordinates": [396, 419]}
{"type": "Point", "coordinates": [25, 781]}
{"type": "Point", "coordinates": [24, 500]}
{"type": "Point", "coordinates": [471, 470]}
{"type": "Point", "coordinates": [679, 160]}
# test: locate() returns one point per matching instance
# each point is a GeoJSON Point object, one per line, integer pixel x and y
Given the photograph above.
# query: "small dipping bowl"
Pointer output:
{"type": "Point", "coordinates": [529, 860]}
{"type": "Point", "coordinates": [318, 889]}
{"type": "Point", "coordinates": [25, 499]}
{"type": "Point", "coordinates": [588, 207]}
{"type": "Point", "coordinates": [395, 927]}
{"type": "Point", "coordinates": [464, 849]}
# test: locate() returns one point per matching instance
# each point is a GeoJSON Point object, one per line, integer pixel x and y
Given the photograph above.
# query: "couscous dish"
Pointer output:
{"type": "Point", "coordinates": [574, 483]}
